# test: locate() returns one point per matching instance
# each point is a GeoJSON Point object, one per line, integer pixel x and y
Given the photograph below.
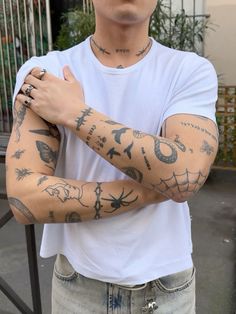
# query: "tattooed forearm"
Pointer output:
{"type": "Point", "coordinates": [41, 180]}
{"type": "Point", "coordinates": [138, 134]}
{"type": "Point", "coordinates": [22, 173]}
{"type": "Point", "coordinates": [19, 116]}
{"type": "Point", "coordinates": [206, 148]}
{"type": "Point", "coordinates": [22, 209]}
{"type": "Point", "coordinates": [111, 122]}
{"type": "Point", "coordinates": [198, 128]}
{"type": "Point", "coordinates": [128, 150]}
{"type": "Point", "coordinates": [81, 120]}
{"type": "Point", "coordinates": [145, 159]}
{"type": "Point", "coordinates": [72, 217]}
{"type": "Point", "coordinates": [119, 201]}
{"type": "Point", "coordinates": [65, 191]}
{"type": "Point", "coordinates": [180, 145]}
{"type": "Point", "coordinates": [112, 152]}
{"type": "Point", "coordinates": [18, 154]}
{"type": "Point", "coordinates": [51, 217]}
{"type": "Point", "coordinates": [90, 134]}
{"type": "Point", "coordinates": [118, 133]}
{"type": "Point", "coordinates": [98, 206]}
{"type": "Point", "coordinates": [168, 159]}
{"type": "Point", "coordinates": [46, 153]}
{"type": "Point", "coordinates": [133, 173]}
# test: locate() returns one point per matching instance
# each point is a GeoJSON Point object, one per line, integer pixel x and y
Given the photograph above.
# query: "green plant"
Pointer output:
{"type": "Point", "coordinates": [179, 30]}
{"type": "Point", "coordinates": [76, 26]}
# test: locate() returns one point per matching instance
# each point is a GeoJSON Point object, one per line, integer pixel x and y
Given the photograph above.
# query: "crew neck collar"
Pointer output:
{"type": "Point", "coordinates": [116, 71]}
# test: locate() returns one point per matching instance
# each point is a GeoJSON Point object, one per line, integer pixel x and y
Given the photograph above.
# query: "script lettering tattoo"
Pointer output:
{"type": "Point", "coordinates": [22, 173]}
{"type": "Point", "coordinates": [112, 152]}
{"type": "Point", "coordinates": [81, 120]}
{"type": "Point", "coordinates": [179, 144]}
{"type": "Point", "coordinates": [22, 209]}
{"type": "Point", "coordinates": [118, 133]}
{"type": "Point", "coordinates": [145, 159]}
{"type": "Point", "coordinates": [122, 50]}
{"type": "Point", "coordinates": [128, 150]}
{"type": "Point", "coordinates": [18, 120]}
{"type": "Point", "coordinates": [65, 191]}
{"type": "Point", "coordinates": [90, 134]}
{"type": "Point", "coordinates": [206, 148]}
{"type": "Point", "coordinates": [138, 134]}
{"type": "Point", "coordinates": [181, 184]}
{"type": "Point", "coordinates": [18, 154]}
{"type": "Point", "coordinates": [198, 128]}
{"type": "Point", "coordinates": [51, 216]}
{"type": "Point", "coordinates": [98, 206]}
{"type": "Point", "coordinates": [168, 159]}
{"type": "Point", "coordinates": [72, 217]}
{"type": "Point", "coordinates": [41, 180]}
{"type": "Point", "coordinates": [121, 200]}
{"type": "Point", "coordinates": [46, 153]}
{"type": "Point", "coordinates": [133, 173]}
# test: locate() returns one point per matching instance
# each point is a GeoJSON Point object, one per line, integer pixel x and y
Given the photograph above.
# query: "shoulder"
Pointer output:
{"type": "Point", "coordinates": [183, 62]}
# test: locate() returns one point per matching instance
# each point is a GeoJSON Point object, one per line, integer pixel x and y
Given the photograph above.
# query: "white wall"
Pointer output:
{"type": "Point", "coordinates": [221, 44]}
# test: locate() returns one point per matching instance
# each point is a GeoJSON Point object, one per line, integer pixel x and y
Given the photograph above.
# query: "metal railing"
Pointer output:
{"type": "Point", "coordinates": [25, 31]}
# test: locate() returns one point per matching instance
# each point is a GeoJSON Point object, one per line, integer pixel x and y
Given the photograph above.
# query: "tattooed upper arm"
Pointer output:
{"type": "Point", "coordinates": [33, 145]}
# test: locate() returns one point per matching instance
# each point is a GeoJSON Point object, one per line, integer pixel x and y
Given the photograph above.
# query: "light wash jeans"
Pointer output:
{"type": "Point", "coordinates": [73, 293]}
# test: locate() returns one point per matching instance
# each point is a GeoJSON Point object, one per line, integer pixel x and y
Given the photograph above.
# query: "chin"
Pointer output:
{"type": "Point", "coordinates": [128, 14]}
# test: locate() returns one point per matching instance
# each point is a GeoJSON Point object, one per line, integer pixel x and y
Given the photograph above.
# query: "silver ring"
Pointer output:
{"type": "Point", "coordinates": [28, 90]}
{"type": "Point", "coordinates": [27, 102]}
{"type": "Point", "coordinates": [42, 73]}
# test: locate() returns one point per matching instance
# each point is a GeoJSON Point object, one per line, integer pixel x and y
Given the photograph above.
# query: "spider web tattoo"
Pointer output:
{"type": "Point", "coordinates": [187, 182]}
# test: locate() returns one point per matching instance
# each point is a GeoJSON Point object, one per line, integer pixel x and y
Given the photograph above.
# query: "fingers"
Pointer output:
{"type": "Point", "coordinates": [68, 75]}
{"type": "Point", "coordinates": [39, 73]}
{"type": "Point", "coordinates": [28, 90]}
{"type": "Point", "coordinates": [32, 80]}
{"type": "Point", "coordinates": [25, 100]}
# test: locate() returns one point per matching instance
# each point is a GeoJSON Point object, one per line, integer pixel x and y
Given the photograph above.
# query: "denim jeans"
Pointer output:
{"type": "Point", "coordinates": [73, 293]}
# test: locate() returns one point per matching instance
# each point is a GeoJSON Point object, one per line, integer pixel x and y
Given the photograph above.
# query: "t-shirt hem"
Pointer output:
{"type": "Point", "coordinates": [162, 270]}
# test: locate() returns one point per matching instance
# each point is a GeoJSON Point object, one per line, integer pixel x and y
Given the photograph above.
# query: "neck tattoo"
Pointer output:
{"type": "Point", "coordinates": [121, 50]}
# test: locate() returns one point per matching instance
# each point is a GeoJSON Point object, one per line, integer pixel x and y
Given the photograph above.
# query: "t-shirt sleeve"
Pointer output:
{"type": "Point", "coordinates": [195, 90]}
{"type": "Point", "coordinates": [48, 62]}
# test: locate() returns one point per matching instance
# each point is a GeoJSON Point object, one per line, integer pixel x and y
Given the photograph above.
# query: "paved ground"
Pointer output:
{"type": "Point", "coordinates": [214, 236]}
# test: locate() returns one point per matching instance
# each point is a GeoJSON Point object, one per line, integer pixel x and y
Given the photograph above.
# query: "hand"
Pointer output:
{"type": "Point", "coordinates": [53, 99]}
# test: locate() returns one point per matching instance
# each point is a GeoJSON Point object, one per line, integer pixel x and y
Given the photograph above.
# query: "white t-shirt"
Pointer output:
{"type": "Point", "coordinates": [144, 244]}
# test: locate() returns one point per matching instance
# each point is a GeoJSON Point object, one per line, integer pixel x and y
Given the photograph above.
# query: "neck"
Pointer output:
{"type": "Point", "coordinates": [121, 41]}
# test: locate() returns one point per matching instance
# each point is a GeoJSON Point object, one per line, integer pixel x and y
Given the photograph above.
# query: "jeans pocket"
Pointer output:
{"type": "Point", "coordinates": [63, 269]}
{"type": "Point", "coordinates": [176, 282]}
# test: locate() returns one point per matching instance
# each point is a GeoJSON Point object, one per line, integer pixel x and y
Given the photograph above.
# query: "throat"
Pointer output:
{"type": "Point", "coordinates": [120, 66]}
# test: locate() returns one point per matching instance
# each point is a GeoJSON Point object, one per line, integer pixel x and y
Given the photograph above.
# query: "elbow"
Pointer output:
{"type": "Point", "coordinates": [182, 197]}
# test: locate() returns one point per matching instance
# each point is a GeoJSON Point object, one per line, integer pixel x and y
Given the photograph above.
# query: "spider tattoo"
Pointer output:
{"type": "Point", "coordinates": [118, 202]}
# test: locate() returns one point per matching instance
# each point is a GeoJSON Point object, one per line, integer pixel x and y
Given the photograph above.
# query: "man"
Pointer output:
{"type": "Point", "coordinates": [137, 137]}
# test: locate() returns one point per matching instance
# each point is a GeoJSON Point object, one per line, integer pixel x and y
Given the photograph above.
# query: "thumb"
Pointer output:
{"type": "Point", "coordinates": [68, 75]}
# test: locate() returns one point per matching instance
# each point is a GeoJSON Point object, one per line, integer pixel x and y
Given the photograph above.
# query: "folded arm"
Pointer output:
{"type": "Point", "coordinates": [37, 196]}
